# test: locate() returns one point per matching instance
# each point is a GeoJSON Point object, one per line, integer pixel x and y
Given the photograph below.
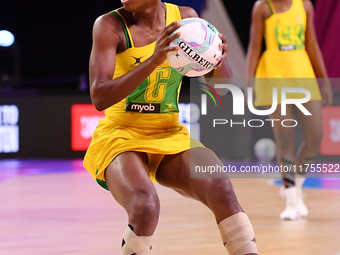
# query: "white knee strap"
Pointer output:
{"type": "Point", "coordinates": [141, 245]}
{"type": "Point", "coordinates": [238, 234]}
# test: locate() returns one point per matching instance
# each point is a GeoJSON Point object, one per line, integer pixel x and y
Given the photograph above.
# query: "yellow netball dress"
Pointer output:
{"type": "Point", "coordinates": [147, 119]}
{"type": "Point", "coordinates": [285, 55]}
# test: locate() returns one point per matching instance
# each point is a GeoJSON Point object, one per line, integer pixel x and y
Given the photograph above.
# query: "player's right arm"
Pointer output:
{"type": "Point", "coordinates": [107, 37]}
{"type": "Point", "coordinates": [256, 37]}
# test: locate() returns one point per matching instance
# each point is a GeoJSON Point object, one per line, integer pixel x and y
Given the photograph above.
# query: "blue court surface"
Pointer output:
{"type": "Point", "coordinates": [318, 183]}
{"type": "Point", "coordinates": [10, 168]}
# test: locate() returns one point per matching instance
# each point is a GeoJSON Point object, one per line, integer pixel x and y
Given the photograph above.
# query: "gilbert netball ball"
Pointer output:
{"type": "Point", "coordinates": [198, 48]}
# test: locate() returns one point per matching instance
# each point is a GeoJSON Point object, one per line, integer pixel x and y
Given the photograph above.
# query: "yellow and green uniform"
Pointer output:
{"type": "Point", "coordinates": [285, 55]}
{"type": "Point", "coordinates": [147, 119]}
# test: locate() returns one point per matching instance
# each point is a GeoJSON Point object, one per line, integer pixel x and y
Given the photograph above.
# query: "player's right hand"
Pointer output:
{"type": "Point", "coordinates": [162, 44]}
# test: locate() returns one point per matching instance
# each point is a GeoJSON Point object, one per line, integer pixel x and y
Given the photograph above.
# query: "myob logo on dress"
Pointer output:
{"type": "Point", "coordinates": [143, 108]}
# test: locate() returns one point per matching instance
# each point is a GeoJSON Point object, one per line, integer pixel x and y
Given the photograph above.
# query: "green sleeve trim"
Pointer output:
{"type": "Point", "coordinates": [128, 40]}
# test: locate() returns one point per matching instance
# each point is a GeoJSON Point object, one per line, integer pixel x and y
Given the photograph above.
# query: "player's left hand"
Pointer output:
{"type": "Point", "coordinates": [225, 49]}
{"type": "Point", "coordinates": [326, 93]}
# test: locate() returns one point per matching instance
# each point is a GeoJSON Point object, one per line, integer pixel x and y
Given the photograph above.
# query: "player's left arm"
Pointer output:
{"type": "Point", "coordinates": [315, 55]}
{"type": "Point", "coordinates": [222, 69]}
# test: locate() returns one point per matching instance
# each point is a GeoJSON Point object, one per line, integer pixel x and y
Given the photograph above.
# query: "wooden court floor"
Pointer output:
{"type": "Point", "coordinates": [68, 213]}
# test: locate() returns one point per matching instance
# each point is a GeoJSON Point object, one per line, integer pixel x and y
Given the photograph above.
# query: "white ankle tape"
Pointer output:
{"type": "Point", "coordinates": [141, 245]}
{"type": "Point", "coordinates": [238, 234]}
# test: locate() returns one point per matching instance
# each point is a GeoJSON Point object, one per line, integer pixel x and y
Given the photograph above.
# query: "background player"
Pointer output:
{"type": "Point", "coordinates": [292, 51]}
{"type": "Point", "coordinates": [129, 146]}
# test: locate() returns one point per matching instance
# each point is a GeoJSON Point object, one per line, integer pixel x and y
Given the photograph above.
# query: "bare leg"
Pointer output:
{"type": "Point", "coordinates": [129, 183]}
{"type": "Point", "coordinates": [217, 194]}
{"type": "Point", "coordinates": [312, 132]}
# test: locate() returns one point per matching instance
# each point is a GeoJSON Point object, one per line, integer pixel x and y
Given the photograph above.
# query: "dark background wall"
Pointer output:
{"type": "Point", "coordinates": [54, 38]}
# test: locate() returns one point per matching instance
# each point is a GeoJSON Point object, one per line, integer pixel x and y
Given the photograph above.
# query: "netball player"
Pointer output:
{"type": "Point", "coordinates": [140, 140]}
{"type": "Point", "coordinates": [292, 51]}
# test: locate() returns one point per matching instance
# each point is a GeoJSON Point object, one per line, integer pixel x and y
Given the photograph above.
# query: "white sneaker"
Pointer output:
{"type": "Point", "coordinates": [291, 211]}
